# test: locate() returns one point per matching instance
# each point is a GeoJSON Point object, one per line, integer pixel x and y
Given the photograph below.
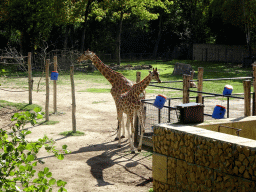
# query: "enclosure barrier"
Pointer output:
{"type": "Point", "coordinates": [187, 158]}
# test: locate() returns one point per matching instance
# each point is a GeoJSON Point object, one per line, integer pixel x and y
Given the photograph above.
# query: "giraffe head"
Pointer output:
{"type": "Point", "coordinates": [155, 75]}
{"type": "Point", "coordinates": [88, 55]}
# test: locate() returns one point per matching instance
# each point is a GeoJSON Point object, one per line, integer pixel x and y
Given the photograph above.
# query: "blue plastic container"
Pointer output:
{"type": "Point", "coordinates": [227, 90]}
{"type": "Point", "coordinates": [54, 75]}
{"type": "Point", "coordinates": [159, 101]}
{"type": "Point", "coordinates": [218, 112]}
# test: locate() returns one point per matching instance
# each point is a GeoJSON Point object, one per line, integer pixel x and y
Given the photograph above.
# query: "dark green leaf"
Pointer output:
{"type": "Point", "coordinates": [52, 182]}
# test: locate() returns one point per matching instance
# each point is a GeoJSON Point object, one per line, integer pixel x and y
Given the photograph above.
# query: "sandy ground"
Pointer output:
{"type": "Point", "coordinates": [95, 163]}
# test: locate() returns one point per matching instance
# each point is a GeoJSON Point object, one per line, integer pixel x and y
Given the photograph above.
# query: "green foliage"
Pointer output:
{"type": "Point", "coordinates": [18, 157]}
{"type": "Point", "coordinates": [20, 106]}
{"type": "Point", "coordinates": [71, 133]}
{"type": "Point", "coordinates": [151, 190]}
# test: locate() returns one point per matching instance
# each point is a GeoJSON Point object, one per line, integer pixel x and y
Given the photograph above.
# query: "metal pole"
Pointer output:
{"type": "Point", "coordinates": [159, 115]}
{"type": "Point", "coordinates": [227, 107]}
{"type": "Point", "coordinates": [169, 110]}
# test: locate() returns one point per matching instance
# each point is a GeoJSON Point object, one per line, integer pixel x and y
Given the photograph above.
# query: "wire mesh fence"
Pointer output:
{"type": "Point", "coordinates": [154, 115]}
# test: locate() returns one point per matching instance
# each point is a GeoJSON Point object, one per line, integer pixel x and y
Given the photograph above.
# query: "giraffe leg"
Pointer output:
{"type": "Point", "coordinates": [123, 135]}
{"type": "Point", "coordinates": [141, 119]}
{"type": "Point", "coordinates": [119, 129]}
{"type": "Point", "coordinates": [120, 117]}
{"type": "Point", "coordinates": [130, 119]}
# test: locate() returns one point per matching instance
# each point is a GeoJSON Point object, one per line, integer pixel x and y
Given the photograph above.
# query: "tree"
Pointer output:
{"type": "Point", "coordinates": [236, 13]}
{"type": "Point", "coordinates": [33, 20]}
{"type": "Point", "coordinates": [192, 25]}
{"type": "Point", "coordinates": [120, 10]}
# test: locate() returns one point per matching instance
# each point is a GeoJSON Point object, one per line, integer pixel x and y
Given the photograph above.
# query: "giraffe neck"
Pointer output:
{"type": "Point", "coordinates": [138, 88]}
{"type": "Point", "coordinates": [108, 73]}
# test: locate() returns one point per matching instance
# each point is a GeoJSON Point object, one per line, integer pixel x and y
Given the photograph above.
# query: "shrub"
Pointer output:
{"type": "Point", "coordinates": [18, 157]}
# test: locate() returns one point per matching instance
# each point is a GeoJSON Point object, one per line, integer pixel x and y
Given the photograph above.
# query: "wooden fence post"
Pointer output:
{"type": "Point", "coordinates": [30, 80]}
{"type": "Point", "coordinates": [73, 98]}
{"type": "Point", "coordinates": [200, 84]}
{"type": "Point", "coordinates": [55, 88]}
{"type": "Point", "coordinates": [47, 90]}
{"type": "Point", "coordinates": [186, 84]}
{"type": "Point", "coordinates": [136, 122]}
{"type": "Point", "coordinates": [254, 90]}
{"type": "Point", "coordinates": [247, 98]}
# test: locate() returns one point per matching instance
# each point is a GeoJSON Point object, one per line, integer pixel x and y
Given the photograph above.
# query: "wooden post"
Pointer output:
{"type": "Point", "coordinates": [136, 122]}
{"type": "Point", "coordinates": [254, 89]}
{"type": "Point", "coordinates": [55, 88]}
{"type": "Point", "coordinates": [73, 98]}
{"type": "Point", "coordinates": [200, 84]}
{"type": "Point", "coordinates": [47, 90]}
{"type": "Point", "coordinates": [247, 98]}
{"type": "Point", "coordinates": [186, 84]}
{"type": "Point", "coordinates": [30, 80]}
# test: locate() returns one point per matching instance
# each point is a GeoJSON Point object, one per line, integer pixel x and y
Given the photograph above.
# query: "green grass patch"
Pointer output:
{"type": "Point", "coordinates": [212, 70]}
{"type": "Point", "coordinates": [49, 122]}
{"type": "Point", "coordinates": [19, 106]}
{"type": "Point", "coordinates": [98, 90]}
{"type": "Point", "coordinates": [71, 133]}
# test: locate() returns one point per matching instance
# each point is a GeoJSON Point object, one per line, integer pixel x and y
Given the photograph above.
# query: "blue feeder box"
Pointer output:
{"type": "Point", "coordinates": [159, 101]}
{"type": "Point", "coordinates": [54, 75]}
{"type": "Point", "coordinates": [227, 90]}
{"type": "Point", "coordinates": [218, 112]}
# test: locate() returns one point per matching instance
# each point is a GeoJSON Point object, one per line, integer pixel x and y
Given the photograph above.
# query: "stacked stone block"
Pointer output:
{"type": "Point", "coordinates": [194, 159]}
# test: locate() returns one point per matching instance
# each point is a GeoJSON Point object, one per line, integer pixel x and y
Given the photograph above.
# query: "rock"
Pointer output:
{"type": "Point", "coordinates": [181, 68]}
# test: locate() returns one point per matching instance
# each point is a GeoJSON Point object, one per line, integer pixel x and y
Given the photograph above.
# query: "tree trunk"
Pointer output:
{"type": "Point", "coordinates": [158, 37]}
{"type": "Point", "coordinates": [85, 25]}
{"type": "Point", "coordinates": [118, 43]}
{"type": "Point", "coordinates": [72, 32]}
{"type": "Point", "coordinates": [66, 37]}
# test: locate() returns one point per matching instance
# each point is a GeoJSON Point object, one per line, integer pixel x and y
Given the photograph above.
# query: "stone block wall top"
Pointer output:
{"type": "Point", "coordinates": [209, 134]}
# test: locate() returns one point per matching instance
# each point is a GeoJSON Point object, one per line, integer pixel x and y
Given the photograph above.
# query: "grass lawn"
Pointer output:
{"type": "Point", "coordinates": [211, 70]}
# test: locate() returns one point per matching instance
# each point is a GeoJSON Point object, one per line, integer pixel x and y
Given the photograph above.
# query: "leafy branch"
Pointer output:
{"type": "Point", "coordinates": [18, 157]}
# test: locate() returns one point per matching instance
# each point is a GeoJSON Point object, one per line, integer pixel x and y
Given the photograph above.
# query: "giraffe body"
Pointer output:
{"type": "Point", "coordinates": [131, 104]}
{"type": "Point", "coordinates": [120, 84]}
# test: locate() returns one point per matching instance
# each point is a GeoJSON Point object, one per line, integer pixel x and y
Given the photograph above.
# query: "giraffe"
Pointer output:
{"type": "Point", "coordinates": [131, 104]}
{"type": "Point", "coordinates": [120, 84]}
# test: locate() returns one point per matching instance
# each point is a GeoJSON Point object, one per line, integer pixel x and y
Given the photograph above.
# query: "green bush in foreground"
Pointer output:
{"type": "Point", "coordinates": [18, 157]}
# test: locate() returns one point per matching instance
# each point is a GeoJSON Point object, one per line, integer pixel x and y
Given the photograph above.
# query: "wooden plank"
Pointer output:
{"type": "Point", "coordinates": [247, 98]}
{"type": "Point", "coordinates": [200, 84]}
{"type": "Point", "coordinates": [254, 89]}
{"type": "Point", "coordinates": [47, 90]}
{"type": "Point", "coordinates": [186, 83]}
{"type": "Point", "coordinates": [136, 121]}
{"type": "Point", "coordinates": [73, 98]}
{"type": "Point", "coordinates": [55, 88]}
{"type": "Point", "coordinates": [30, 80]}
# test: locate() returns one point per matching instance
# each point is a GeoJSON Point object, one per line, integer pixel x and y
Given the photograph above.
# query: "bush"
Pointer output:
{"type": "Point", "coordinates": [18, 157]}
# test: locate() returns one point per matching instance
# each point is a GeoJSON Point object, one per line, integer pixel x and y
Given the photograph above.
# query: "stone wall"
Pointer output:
{"type": "Point", "coordinates": [187, 158]}
{"type": "Point", "coordinates": [225, 53]}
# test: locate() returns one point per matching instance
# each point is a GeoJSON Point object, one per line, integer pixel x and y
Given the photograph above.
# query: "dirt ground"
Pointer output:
{"type": "Point", "coordinates": [95, 163]}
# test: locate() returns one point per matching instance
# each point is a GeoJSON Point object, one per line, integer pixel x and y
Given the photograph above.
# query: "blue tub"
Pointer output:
{"type": "Point", "coordinates": [160, 101]}
{"type": "Point", "coordinates": [54, 75]}
{"type": "Point", "coordinates": [218, 112]}
{"type": "Point", "coordinates": [227, 90]}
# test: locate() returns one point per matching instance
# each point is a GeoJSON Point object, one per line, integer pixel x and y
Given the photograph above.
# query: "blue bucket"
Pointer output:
{"type": "Point", "coordinates": [159, 101]}
{"type": "Point", "coordinates": [54, 75]}
{"type": "Point", "coordinates": [227, 90]}
{"type": "Point", "coordinates": [218, 112]}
